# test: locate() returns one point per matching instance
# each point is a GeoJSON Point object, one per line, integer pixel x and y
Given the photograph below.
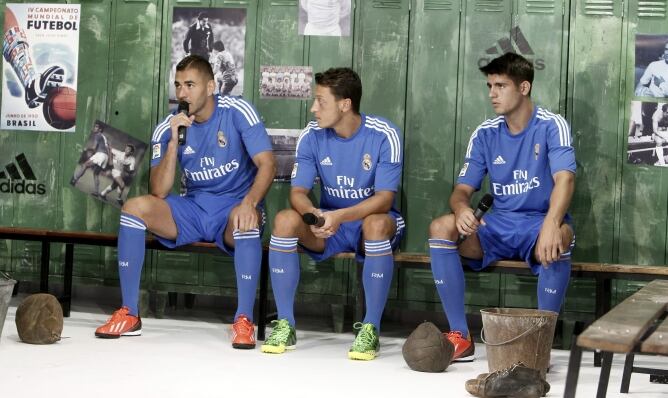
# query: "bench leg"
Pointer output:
{"type": "Point", "coordinates": [603, 299]}
{"type": "Point", "coordinates": [338, 317]}
{"type": "Point", "coordinates": [606, 364]}
{"type": "Point", "coordinates": [626, 376]}
{"type": "Point", "coordinates": [67, 279]}
{"type": "Point", "coordinates": [573, 370]}
{"type": "Point", "coordinates": [360, 302]}
{"type": "Point", "coordinates": [264, 299]}
{"type": "Point", "coordinates": [44, 267]}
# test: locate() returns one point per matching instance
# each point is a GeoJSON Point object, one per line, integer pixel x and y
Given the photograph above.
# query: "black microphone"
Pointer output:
{"type": "Point", "coordinates": [312, 219]}
{"type": "Point", "coordinates": [183, 108]}
{"type": "Point", "coordinates": [484, 205]}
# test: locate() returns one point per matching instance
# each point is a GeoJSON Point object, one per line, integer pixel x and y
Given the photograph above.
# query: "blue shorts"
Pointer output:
{"type": "Point", "coordinates": [348, 239]}
{"type": "Point", "coordinates": [201, 218]}
{"type": "Point", "coordinates": [509, 236]}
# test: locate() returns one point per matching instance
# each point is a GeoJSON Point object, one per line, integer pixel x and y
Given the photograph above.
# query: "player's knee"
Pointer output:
{"type": "Point", "coordinates": [378, 226]}
{"type": "Point", "coordinates": [138, 206]}
{"type": "Point", "coordinates": [566, 235]}
{"type": "Point", "coordinates": [286, 223]}
{"type": "Point", "coordinates": [443, 227]}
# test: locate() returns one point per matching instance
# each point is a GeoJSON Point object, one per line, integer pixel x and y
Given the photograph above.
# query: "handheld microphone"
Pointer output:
{"type": "Point", "coordinates": [183, 108]}
{"type": "Point", "coordinates": [312, 219]}
{"type": "Point", "coordinates": [484, 205]}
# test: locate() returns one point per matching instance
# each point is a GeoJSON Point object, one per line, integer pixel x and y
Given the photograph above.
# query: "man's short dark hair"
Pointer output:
{"type": "Point", "coordinates": [132, 148]}
{"type": "Point", "coordinates": [202, 15]}
{"type": "Point", "coordinates": [218, 45]}
{"type": "Point", "coordinates": [197, 62]}
{"type": "Point", "coordinates": [516, 67]}
{"type": "Point", "coordinates": [344, 83]}
{"type": "Point", "coordinates": [664, 107]}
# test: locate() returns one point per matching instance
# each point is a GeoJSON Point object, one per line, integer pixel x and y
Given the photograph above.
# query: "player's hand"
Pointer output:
{"type": "Point", "coordinates": [466, 222]}
{"type": "Point", "coordinates": [245, 217]}
{"type": "Point", "coordinates": [550, 245]}
{"type": "Point", "coordinates": [180, 119]}
{"type": "Point", "coordinates": [329, 228]}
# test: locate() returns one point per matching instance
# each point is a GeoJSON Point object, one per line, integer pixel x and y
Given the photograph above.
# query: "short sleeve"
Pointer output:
{"type": "Point", "coordinates": [474, 168]}
{"type": "Point", "coordinates": [560, 153]}
{"type": "Point", "coordinates": [250, 127]}
{"type": "Point", "coordinates": [304, 170]}
{"type": "Point", "coordinates": [159, 140]}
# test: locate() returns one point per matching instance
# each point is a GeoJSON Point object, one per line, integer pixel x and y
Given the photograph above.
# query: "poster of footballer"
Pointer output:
{"type": "Point", "coordinates": [651, 66]}
{"type": "Point", "coordinates": [108, 164]}
{"type": "Point", "coordinates": [284, 144]}
{"type": "Point", "coordinates": [216, 34]}
{"type": "Point", "coordinates": [40, 60]}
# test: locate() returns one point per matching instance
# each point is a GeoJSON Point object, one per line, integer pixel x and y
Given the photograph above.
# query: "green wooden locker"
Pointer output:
{"type": "Point", "coordinates": [644, 193]}
{"type": "Point", "coordinates": [431, 114]}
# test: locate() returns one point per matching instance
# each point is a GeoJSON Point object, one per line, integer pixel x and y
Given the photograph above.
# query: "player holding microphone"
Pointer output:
{"type": "Point", "coordinates": [358, 158]}
{"type": "Point", "coordinates": [528, 154]}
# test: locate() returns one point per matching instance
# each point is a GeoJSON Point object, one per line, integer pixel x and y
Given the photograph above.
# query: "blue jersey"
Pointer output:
{"type": "Point", "coordinates": [353, 169]}
{"type": "Point", "coordinates": [520, 166]}
{"type": "Point", "coordinates": [217, 155]}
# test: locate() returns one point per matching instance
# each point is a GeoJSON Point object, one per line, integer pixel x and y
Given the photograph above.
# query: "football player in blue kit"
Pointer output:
{"type": "Point", "coordinates": [358, 158]}
{"type": "Point", "coordinates": [528, 155]}
{"type": "Point", "coordinates": [228, 166]}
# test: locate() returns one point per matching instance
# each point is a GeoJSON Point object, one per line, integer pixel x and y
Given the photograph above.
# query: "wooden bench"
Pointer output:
{"type": "Point", "coordinates": [602, 273]}
{"type": "Point", "coordinates": [636, 325]}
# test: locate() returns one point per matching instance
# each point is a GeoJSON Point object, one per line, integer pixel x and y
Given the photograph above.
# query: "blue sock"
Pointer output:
{"type": "Point", "coordinates": [376, 277]}
{"type": "Point", "coordinates": [131, 248]}
{"type": "Point", "coordinates": [446, 266]}
{"type": "Point", "coordinates": [553, 283]}
{"type": "Point", "coordinates": [284, 271]}
{"type": "Point", "coordinates": [247, 261]}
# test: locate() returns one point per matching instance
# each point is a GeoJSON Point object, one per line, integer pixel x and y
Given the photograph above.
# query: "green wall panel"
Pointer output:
{"type": "Point", "coordinates": [593, 97]}
{"type": "Point", "coordinates": [431, 112]}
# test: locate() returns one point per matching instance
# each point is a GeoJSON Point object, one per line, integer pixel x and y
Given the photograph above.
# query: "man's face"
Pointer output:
{"type": "Point", "coordinates": [326, 108]}
{"type": "Point", "coordinates": [97, 128]}
{"type": "Point", "coordinates": [128, 150]}
{"type": "Point", "coordinates": [194, 88]}
{"type": "Point", "coordinates": [505, 95]}
{"type": "Point", "coordinates": [665, 53]}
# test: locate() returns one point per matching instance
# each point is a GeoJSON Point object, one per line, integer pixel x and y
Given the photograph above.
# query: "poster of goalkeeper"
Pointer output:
{"type": "Point", "coordinates": [651, 67]}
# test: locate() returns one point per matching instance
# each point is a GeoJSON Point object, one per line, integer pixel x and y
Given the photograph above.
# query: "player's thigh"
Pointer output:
{"type": "Point", "coordinates": [156, 214]}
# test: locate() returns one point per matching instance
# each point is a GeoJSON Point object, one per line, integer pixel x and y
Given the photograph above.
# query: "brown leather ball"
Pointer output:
{"type": "Point", "coordinates": [427, 349]}
{"type": "Point", "coordinates": [39, 319]}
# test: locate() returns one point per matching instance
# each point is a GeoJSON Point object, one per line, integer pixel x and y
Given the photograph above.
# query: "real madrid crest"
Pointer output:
{"type": "Point", "coordinates": [222, 141]}
{"type": "Point", "coordinates": [366, 162]}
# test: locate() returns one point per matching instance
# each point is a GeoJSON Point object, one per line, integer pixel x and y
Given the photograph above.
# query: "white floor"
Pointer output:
{"type": "Point", "coordinates": [192, 357]}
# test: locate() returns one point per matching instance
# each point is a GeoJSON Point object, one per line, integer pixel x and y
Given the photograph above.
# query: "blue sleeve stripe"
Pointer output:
{"type": "Point", "coordinates": [160, 129]}
{"type": "Point", "coordinates": [307, 129]}
{"type": "Point", "coordinates": [562, 125]}
{"type": "Point", "coordinates": [392, 136]}
{"type": "Point", "coordinates": [242, 106]}
{"type": "Point", "coordinates": [486, 124]}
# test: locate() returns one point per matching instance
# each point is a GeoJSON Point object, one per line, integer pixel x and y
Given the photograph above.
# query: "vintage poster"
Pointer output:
{"type": "Point", "coordinates": [40, 59]}
{"type": "Point", "coordinates": [216, 34]}
{"type": "Point", "coordinates": [108, 164]}
{"type": "Point", "coordinates": [290, 82]}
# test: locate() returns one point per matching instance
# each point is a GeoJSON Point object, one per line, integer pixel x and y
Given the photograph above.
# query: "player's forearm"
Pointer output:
{"type": "Point", "coordinates": [263, 179]}
{"type": "Point", "coordinates": [379, 203]}
{"type": "Point", "coordinates": [162, 175]}
{"type": "Point", "coordinates": [300, 201]}
{"type": "Point", "coordinates": [560, 199]}
{"type": "Point", "coordinates": [460, 199]}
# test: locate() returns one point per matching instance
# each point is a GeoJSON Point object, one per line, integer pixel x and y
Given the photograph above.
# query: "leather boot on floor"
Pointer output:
{"type": "Point", "coordinates": [517, 381]}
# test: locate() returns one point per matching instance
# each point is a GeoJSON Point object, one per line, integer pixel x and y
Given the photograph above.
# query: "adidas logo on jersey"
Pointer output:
{"type": "Point", "coordinates": [499, 160]}
{"type": "Point", "coordinates": [326, 161]}
{"type": "Point", "coordinates": [189, 150]}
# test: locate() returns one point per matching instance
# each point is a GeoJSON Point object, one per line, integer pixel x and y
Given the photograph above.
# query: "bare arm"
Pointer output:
{"type": "Point", "coordinates": [550, 244]}
{"type": "Point", "coordinates": [460, 203]}
{"type": "Point", "coordinates": [162, 175]}
{"type": "Point", "coordinates": [246, 217]}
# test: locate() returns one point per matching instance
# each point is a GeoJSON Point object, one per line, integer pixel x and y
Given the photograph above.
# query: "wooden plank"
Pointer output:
{"type": "Point", "coordinates": [657, 342]}
{"type": "Point", "coordinates": [622, 327]}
